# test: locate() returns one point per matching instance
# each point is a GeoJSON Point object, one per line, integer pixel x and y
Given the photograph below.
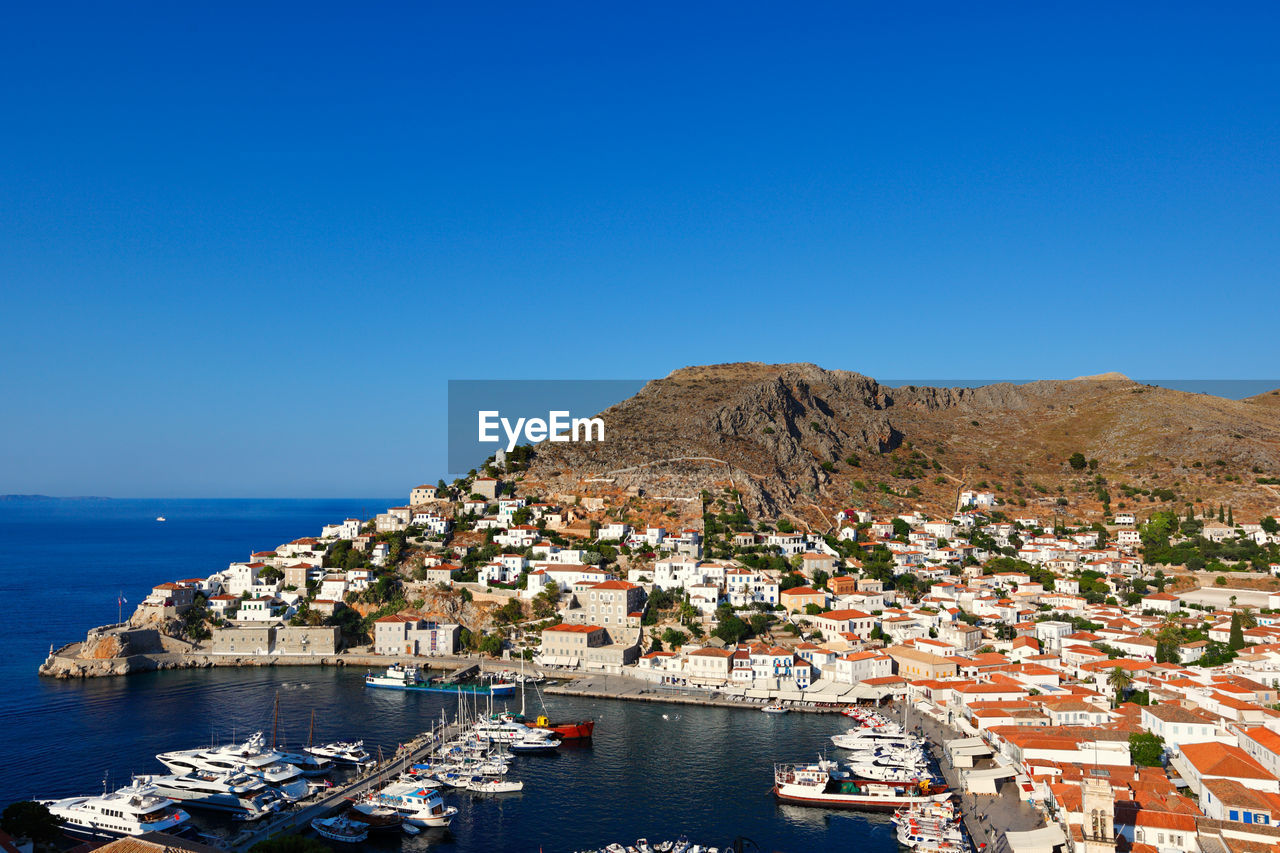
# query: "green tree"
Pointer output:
{"type": "Point", "coordinates": [1145, 749]}
{"type": "Point", "coordinates": [731, 629]}
{"type": "Point", "coordinates": [812, 609]}
{"type": "Point", "coordinates": [1236, 641]}
{"type": "Point", "coordinates": [1270, 525]}
{"type": "Point", "coordinates": [510, 613]}
{"type": "Point", "coordinates": [1119, 679]}
{"type": "Point", "coordinates": [1077, 461]}
{"type": "Point", "coordinates": [674, 638]}
{"type": "Point", "coordinates": [29, 819]}
{"type": "Point", "coordinates": [490, 644]}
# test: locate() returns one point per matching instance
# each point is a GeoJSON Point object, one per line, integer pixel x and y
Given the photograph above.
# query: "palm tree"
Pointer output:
{"type": "Point", "coordinates": [1248, 618]}
{"type": "Point", "coordinates": [1120, 680]}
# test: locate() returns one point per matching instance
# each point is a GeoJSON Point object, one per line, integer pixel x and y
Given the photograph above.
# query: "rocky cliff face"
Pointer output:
{"type": "Point", "coordinates": [797, 435]}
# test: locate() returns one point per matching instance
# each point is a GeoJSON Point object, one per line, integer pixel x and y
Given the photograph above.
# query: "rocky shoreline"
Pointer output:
{"type": "Point", "coordinates": [117, 650]}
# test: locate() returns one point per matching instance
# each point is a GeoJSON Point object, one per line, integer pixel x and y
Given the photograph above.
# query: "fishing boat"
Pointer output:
{"type": "Point", "coordinates": [581, 730]}
{"type": "Point", "coordinates": [340, 829]}
{"type": "Point", "coordinates": [376, 816]}
{"type": "Point", "coordinates": [421, 805]}
{"type": "Point", "coordinates": [814, 785]}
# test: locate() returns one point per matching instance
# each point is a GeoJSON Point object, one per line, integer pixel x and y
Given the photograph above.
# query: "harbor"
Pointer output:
{"type": "Point", "coordinates": [619, 786]}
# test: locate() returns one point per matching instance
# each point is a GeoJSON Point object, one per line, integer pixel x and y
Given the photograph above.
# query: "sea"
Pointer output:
{"type": "Point", "coordinates": [653, 770]}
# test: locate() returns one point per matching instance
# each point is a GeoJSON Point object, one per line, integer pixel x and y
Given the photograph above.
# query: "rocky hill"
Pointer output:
{"type": "Point", "coordinates": [801, 441]}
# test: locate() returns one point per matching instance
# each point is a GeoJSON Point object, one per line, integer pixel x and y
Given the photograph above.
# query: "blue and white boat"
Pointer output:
{"type": "Point", "coordinates": [401, 677]}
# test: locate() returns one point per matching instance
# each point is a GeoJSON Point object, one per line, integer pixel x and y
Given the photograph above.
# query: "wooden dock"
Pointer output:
{"type": "Point", "coordinates": [298, 819]}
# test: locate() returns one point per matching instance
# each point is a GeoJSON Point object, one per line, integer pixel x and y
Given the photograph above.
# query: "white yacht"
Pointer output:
{"type": "Point", "coordinates": [504, 731]}
{"type": "Point", "coordinates": [493, 785]}
{"type": "Point", "coordinates": [249, 758]}
{"type": "Point", "coordinates": [867, 738]}
{"type": "Point", "coordinates": [342, 752]}
{"type": "Point", "coordinates": [420, 805]}
{"type": "Point", "coordinates": [133, 810]}
{"type": "Point", "coordinates": [243, 796]}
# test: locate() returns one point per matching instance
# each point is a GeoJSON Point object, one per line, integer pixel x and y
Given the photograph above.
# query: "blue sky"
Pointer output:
{"type": "Point", "coordinates": [242, 247]}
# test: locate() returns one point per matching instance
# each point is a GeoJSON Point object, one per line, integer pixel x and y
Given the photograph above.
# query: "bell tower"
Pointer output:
{"type": "Point", "coordinates": [1098, 803]}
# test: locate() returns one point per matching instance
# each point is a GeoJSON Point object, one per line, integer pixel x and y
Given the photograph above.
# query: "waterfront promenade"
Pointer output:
{"type": "Point", "coordinates": [602, 686]}
{"type": "Point", "coordinates": [987, 818]}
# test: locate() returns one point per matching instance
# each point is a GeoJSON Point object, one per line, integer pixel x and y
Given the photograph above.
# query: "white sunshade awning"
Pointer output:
{"type": "Point", "coordinates": [968, 746]}
{"type": "Point", "coordinates": [1042, 840]}
{"type": "Point", "coordinates": [827, 689]}
{"type": "Point", "coordinates": [868, 691]}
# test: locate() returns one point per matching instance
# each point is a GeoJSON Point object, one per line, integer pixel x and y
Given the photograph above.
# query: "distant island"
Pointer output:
{"type": "Point", "coordinates": [33, 498]}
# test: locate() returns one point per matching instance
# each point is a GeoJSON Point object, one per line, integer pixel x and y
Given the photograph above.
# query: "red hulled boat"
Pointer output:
{"type": "Point", "coordinates": [567, 731]}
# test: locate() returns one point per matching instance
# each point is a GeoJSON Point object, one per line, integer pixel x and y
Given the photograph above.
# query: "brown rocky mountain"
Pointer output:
{"type": "Point", "coordinates": [802, 441]}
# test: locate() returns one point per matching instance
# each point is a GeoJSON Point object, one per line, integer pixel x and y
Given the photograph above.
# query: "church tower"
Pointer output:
{"type": "Point", "coordinates": [1098, 803]}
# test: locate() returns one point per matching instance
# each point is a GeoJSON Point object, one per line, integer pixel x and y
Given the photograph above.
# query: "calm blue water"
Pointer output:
{"type": "Point", "coordinates": [703, 771]}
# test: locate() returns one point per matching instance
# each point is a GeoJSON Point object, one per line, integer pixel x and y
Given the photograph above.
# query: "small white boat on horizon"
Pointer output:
{"type": "Point", "coordinates": [161, 518]}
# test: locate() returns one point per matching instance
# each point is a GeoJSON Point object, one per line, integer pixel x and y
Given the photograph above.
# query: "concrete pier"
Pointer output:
{"type": "Point", "coordinates": [336, 798]}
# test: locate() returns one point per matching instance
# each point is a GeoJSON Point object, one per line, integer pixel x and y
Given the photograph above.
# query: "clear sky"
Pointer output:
{"type": "Point", "coordinates": [242, 246]}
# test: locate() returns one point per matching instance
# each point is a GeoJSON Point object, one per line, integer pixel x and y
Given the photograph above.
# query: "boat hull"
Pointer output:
{"type": "Point", "coordinates": [570, 731]}
{"type": "Point", "coordinates": [424, 687]}
{"type": "Point", "coordinates": [860, 802]}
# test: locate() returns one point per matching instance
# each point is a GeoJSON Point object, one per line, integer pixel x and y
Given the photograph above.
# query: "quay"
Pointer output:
{"type": "Point", "coordinates": [333, 799]}
{"type": "Point", "coordinates": [635, 690]}
{"type": "Point", "coordinates": [987, 818]}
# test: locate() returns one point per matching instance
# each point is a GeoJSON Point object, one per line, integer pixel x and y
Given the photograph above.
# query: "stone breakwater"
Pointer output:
{"type": "Point", "coordinates": [62, 665]}
{"type": "Point", "coordinates": [118, 650]}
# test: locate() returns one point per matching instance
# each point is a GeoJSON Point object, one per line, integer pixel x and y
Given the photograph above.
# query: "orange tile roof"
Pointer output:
{"type": "Point", "coordinates": [1224, 760]}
